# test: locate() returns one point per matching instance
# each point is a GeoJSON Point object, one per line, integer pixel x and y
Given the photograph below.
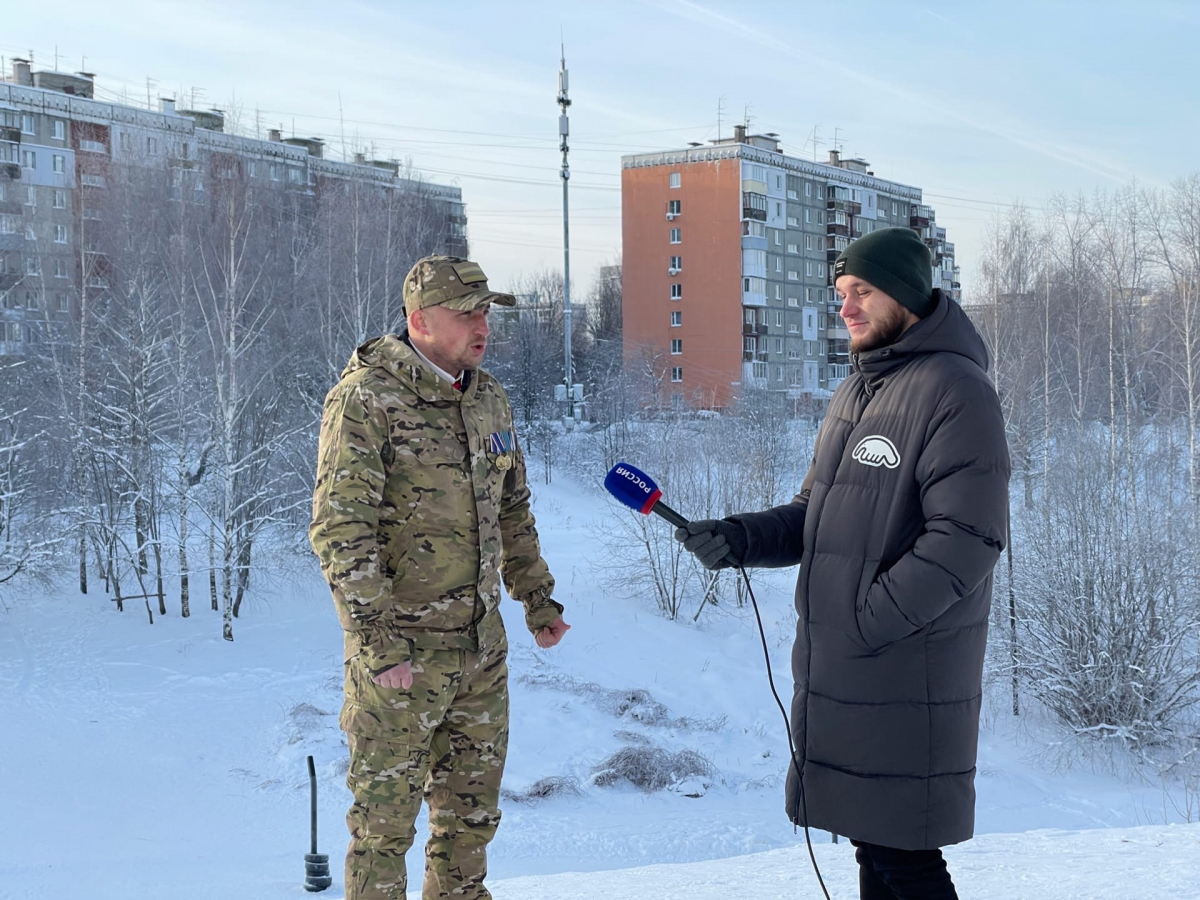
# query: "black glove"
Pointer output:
{"type": "Point", "coordinates": [717, 543]}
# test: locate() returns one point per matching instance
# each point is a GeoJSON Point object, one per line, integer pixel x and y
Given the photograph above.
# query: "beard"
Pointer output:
{"type": "Point", "coordinates": [881, 332]}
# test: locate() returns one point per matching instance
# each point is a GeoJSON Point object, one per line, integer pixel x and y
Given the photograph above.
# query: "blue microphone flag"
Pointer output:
{"type": "Point", "coordinates": [633, 487]}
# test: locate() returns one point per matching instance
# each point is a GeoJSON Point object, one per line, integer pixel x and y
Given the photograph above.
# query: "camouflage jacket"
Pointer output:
{"type": "Point", "coordinates": [418, 510]}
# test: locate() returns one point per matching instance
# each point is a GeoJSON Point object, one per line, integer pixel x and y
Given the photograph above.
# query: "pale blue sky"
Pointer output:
{"type": "Point", "coordinates": [978, 103]}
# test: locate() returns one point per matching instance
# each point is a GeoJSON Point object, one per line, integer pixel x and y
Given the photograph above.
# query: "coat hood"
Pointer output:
{"type": "Point", "coordinates": [393, 354]}
{"type": "Point", "coordinates": [947, 329]}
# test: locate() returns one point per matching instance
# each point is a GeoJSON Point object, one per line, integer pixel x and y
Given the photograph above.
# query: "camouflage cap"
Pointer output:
{"type": "Point", "coordinates": [449, 281]}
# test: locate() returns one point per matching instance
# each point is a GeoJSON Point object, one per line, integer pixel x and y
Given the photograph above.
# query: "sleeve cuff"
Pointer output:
{"type": "Point", "coordinates": [381, 652]}
{"type": "Point", "coordinates": [541, 612]}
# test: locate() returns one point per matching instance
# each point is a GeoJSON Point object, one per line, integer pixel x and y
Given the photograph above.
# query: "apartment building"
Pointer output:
{"type": "Point", "coordinates": [58, 147]}
{"type": "Point", "coordinates": [727, 252]}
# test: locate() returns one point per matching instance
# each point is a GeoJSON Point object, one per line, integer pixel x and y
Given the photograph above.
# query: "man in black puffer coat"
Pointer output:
{"type": "Point", "coordinates": [896, 529]}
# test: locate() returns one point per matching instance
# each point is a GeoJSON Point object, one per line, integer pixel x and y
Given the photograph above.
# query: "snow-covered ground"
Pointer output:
{"type": "Point", "coordinates": [149, 762]}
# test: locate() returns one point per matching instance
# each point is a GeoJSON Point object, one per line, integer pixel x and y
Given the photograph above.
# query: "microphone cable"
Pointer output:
{"type": "Point", "coordinates": [787, 724]}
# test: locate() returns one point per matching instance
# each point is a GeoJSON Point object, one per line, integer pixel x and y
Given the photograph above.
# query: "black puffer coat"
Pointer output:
{"type": "Point", "coordinates": [903, 517]}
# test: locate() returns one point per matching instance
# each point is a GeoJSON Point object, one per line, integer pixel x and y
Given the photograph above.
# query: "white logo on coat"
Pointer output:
{"type": "Point", "coordinates": [877, 450]}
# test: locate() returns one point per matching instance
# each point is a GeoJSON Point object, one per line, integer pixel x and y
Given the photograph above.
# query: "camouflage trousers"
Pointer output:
{"type": "Point", "coordinates": [444, 741]}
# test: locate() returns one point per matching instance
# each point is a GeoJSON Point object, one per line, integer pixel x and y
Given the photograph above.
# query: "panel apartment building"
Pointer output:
{"type": "Point", "coordinates": [727, 255]}
{"type": "Point", "coordinates": [57, 147]}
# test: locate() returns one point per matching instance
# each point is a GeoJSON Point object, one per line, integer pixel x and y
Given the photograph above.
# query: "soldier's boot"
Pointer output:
{"type": "Point", "coordinates": [463, 788]}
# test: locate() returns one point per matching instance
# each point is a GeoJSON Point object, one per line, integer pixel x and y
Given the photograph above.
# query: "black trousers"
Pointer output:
{"type": "Point", "coordinates": [888, 874]}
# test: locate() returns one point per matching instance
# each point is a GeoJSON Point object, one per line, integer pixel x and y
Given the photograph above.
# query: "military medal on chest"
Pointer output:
{"type": "Point", "coordinates": [501, 444]}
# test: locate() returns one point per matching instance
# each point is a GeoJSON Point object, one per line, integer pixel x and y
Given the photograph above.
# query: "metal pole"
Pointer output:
{"type": "Point", "coordinates": [564, 129]}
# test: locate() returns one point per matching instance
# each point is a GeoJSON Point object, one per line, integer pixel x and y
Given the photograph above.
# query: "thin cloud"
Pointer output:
{"type": "Point", "coordinates": [699, 13]}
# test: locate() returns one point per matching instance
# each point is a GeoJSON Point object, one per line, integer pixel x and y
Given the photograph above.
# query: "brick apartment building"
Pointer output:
{"type": "Point", "coordinates": [58, 145]}
{"type": "Point", "coordinates": [727, 252]}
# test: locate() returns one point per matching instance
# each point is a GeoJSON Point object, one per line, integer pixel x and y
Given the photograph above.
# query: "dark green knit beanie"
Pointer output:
{"type": "Point", "coordinates": [897, 262]}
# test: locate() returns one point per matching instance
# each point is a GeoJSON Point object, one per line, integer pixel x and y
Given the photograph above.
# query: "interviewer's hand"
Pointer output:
{"type": "Point", "coordinates": [396, 677]}
{"type": "Point", "coordinates": [552, 633]}
{"type": "Point", "coordinates": [717, 543]}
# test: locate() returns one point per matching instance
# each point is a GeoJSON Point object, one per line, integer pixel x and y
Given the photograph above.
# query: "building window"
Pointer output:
{"type": "Point", "coordinates": [778, 291]}
{"type": "Point", "coordinates": [8, 225]}
{"type": "Point", "coordinates": [820, 270]}
{"type": "Point", "coordinates": [30, 195]}
{"type": "Point", "coordinates": [27, 124]}
{"type": "Point", "coordinates": [677, 263]}
{"type": "Point", "coordinates": [29, 159]}
{"type": "Point", "coordinates": [60, 199]}
{"type": "Point", "coordinates": [126, 141]}
{"type": "Point", "coordinates": [808, 269]}
{"type": "Point", "coordinates": [274, 172]}
{"type": "Point", "coordinates": [93, 180]}
{"type": "Point", "coordinates": [793, 275]}
{"type": "Point", "coordinates": [793, 301]}
{"type": "Point", "coordinates": [793, 222]}
{"type": "Point", "coordinates": [778, 264]}
{"type": "Point", "coordinates": [93, 146]}
{"type": "Point", "coordinates": [895, 208]}
{"type": "Point", "coordinates": [792, 329]}
{"type": "Point", "coordinates": [675, 179]}
{"type": "Point", "coordinates": [820, 192]}
{"type": "Point", "coordinates": [673, 207]}
{"type": "Point", "coordinates": [60, 234]}
{"type": "Point", "coordinates": [808, 189]}
{"type": "Point", "coordinates": [60, 271]}
{"type": "Point", "coordinates": [60, 163]}
{"type": "Point", "coordinates": [31, 301]}
{"type": "Point", "coordinates": [676, 235]}
{"type": "Point", "coordinates": [778, 208]}
{"type": "Point", "coordinates": [676, 346]}
{"type": "Point", "coordinates": [30, 235]}
{"type": "Point", "coordinates": [778, 319]}
{"type": "Point", "coordinates": [820, 217]}
{"type": "Point", "coordinates": [294, 174]}
{"type": "Point", "coordinates": [808, 216]}
{"type": "Point", "coordinates": [777, 239]}
{"type": "Point", "coordinates": [792, 195]}
{"type": "Point", "coordinates": [64, 303]}
{"type": "Point", "coordinates": [808, 295]}
{"type": "Point", "coordinates": [677, 374]}
{"type": "Point", "coordinates": [32, 266]}
{"type": "Point", "coordinates": [808, 242]}
{"type": "Point", "coordinates": [778, 345]}
{"type": "Point", "coordinates": [151, 145]}
{"type": "Point", "coordinates": [676, 318]}
{"type": "Point", "coordinates": [676, 291]}
{"type": "Point", "coordinates": [92, 214]}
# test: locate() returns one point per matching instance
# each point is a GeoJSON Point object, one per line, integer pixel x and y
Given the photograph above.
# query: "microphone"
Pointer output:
{"type": "Point", "coordinates": [637, 490]}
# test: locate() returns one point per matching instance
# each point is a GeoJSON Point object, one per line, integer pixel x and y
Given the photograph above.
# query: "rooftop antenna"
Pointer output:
{"type": "Point", "coordinates": [747, 118]}
{"type": "Point", "coordinates": [720, 112]}
{"type": "Point", "coordinates": [564, 131]}
{"type": "Point", "coordinates": [56, 57]}
{"type": "Point", "coordinates": [815, 139]}
{"type": "Point", "coordinates": [837, 141]}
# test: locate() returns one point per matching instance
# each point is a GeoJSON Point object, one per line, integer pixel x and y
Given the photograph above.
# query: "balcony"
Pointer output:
{"type": "Point", "coordinates": [837, 333]}
{"type": "Point", "coordinates": [10, 134]}
{"type": "Point", "coordinates": [749, 212]}
{"type": "Point", "coordinates": [750, 328]}
{"type": "Point", "coordinates": [838, 229]}
{"type": "Point", "coordinates": [10, 170]}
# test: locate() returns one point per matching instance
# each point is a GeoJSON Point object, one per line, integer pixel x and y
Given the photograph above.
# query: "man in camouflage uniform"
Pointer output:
{"type": "Point", "coordinates": [420, 506]}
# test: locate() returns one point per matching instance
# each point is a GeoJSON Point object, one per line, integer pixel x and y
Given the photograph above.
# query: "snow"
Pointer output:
{"type": "Point", "coordinates": [163, 762]}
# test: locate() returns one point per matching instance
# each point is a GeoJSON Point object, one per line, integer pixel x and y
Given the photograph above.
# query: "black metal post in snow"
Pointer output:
{"type": "Point", "coordinates": [316, 865]}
